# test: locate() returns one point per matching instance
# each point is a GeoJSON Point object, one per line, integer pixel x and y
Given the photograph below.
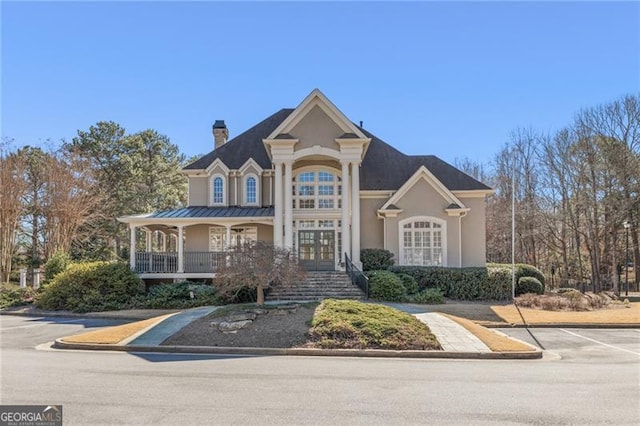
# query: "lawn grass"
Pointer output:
{"type": "Point", "coordinates": [630, 315]}
{"type": "Point", "coordinates": [114, 335]}
{"type": "Point", "coordinates": [494, 341]}
{"type": "Point", "coordinates": [348, 324]}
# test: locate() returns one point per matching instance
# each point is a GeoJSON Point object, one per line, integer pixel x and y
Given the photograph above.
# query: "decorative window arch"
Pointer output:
{"type": "Point", "coordinates": [423, 241]}
{"type": "Point", "coordinates": [317, 188]}
{"type": "Point", "coordinates": [251, 190]}
{"type": "Point", "coordinates": [218, 190]}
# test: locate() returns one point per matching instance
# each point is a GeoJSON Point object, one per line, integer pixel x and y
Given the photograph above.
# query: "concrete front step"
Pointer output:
{"type": "Point", "coordinates": [318, 286]}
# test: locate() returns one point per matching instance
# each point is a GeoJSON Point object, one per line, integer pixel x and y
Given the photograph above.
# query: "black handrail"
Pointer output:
{"type": "Point", "coordinates": [356, 275]}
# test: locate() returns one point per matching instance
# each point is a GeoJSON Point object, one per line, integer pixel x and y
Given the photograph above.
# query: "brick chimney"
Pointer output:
{"type": "Point", "coordinates": [220, 133]}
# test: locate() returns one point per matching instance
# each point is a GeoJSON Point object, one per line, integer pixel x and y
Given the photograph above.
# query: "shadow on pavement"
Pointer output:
{"type": "Point", "coordinates": [85, 322]}
{"type": "Point", "coordinates": [168, 357]}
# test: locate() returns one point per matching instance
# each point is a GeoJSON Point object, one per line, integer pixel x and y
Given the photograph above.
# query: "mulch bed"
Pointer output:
{"type": "Point", "coordinates": [273, 327]}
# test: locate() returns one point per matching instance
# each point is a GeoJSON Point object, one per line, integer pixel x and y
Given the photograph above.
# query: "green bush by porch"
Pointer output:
{"type": "Point", "coordinates": [91, 287]}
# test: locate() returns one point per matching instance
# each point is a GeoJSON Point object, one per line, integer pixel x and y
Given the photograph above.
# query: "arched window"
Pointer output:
{"type": "Point", "coordinates": [317, 190]}
{"type": "Point", "coordinates": [218, 190]}
{"type": "Point", "coordinates": [251, 193]}
{"type": "Point", "coordinates": [423, 242]}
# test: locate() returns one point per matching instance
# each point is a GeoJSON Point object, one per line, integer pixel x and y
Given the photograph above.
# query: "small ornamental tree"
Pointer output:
{"type": "Point", "coordinates": [257, 265]}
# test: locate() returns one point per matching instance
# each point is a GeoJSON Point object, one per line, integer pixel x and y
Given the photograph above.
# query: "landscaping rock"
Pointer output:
{"type": "Point", "coordinates": [257, 311]}
{"type": "Point", "coordinates": [241, 316]}
{"type": "Point", "coordinates": [232, 327]}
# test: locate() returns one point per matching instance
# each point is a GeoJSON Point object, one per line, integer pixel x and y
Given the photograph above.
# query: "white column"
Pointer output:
{"type": "Point", "coordinates": [346, 232]}
{"type": "Point", "coordinates": [277, 204]}
{"type": "Point", "coordinates": [227, 258]}
{"type": "Point", "coordinates": [36, 278]}
{"type": "Point", "coordinates": [164, 242]}
{"type": "Point", "coordinates": [355, 213]}
{"type": "Point", "coordinates": [132, 247]}
{"type": "Point", "coordinates": [180, 248]}
{"type": "Point", "coordinates": [148, 241]}
{"type": "Point", "coordinates": [23, 278]}
{"type": "Point", "coordinates": [288, 206]}
{"type": "Point", "coordinates": [149, 247]}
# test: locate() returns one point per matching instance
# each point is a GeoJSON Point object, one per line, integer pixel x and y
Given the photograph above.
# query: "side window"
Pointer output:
{"type": "Point", "coordinates": [218, 190]}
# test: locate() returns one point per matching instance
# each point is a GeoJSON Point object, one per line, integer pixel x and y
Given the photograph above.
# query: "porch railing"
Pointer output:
{"type": "Point", "coordinates": [167, 262]}
{"type": "Point", "coordinates": [357, 277]}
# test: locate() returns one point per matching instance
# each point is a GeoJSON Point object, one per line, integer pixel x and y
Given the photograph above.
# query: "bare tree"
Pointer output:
{"type": "Point", "coordinates": [258, 266]}
{"type": "Point", "coordinates": [12, 190]}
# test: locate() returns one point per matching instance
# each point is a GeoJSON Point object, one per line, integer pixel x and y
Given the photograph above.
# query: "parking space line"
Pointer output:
{"type": "Point", "coordinates": [600, 343]}
{"type": "Point", "coordinates": [39, 324]}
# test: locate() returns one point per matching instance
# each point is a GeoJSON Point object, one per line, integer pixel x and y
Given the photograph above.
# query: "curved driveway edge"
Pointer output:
{"type": "Point", "coordinates": [369, 353]}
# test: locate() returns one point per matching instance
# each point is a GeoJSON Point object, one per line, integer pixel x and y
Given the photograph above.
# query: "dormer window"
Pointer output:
{"type": "Point", "coordinates": [218, 191]}
{"type": "Point", "coordinates": [251, 190]}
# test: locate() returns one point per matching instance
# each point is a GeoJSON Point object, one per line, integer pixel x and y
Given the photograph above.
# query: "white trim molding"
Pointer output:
{"type": "Point", "coordinates": [425, 174]}
{"type": "Point", "coordinates": [245, 189]}
{"type": "Point", "coordinates": [225, 190]}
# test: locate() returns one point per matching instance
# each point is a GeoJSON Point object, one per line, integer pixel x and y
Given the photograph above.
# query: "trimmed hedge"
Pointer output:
{"type": "Point", "coordinates": [462, 283]}
{"type": "Point", "coordinates": [177, 296]}
{"type": "Point", "coordinates": [385, 285]}
{"type": "Point", "coordinates": [409, 283]}
{"type": "Point", "coordinates": [529, 285]}
{"type": "Point", "coordinates": [428, 296]}
{"type": "Point", "coordinates": [91, 286]}
{"type": "Point", "coordinates": [376, 259]}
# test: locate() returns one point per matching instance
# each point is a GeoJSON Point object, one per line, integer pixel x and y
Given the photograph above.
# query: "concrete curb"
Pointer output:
{"type": "Point", "coordinates": [360, 353]}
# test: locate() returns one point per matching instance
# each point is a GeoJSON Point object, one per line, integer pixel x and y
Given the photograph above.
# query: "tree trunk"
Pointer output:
{"type": "Point", "coordinates": [260, 295]}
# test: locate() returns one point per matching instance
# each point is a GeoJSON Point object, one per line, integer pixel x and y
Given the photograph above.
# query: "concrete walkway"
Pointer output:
{"type": "Point", "coordinates": [170, 326]}
{"type": "Point", "coordinates": [451, 335]}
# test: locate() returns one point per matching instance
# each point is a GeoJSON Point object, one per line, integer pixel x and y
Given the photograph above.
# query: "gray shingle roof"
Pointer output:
{"type": "Point", "coordinates": [218, 212]}
{"type": "Point", "coordinates": [246, 145]}
{"type": "Point", "coordinates": [383, 167]}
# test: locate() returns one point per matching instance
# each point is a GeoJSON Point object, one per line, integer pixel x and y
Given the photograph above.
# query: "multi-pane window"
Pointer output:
{"type": "Point", "coordinates": [218, 190]}
{"type": "Point", "coordinates": [422, 243]}
{"type": "Point", "coordinates": [319, 190]}
{"type": "Point", "coordinates": [251, 188]}
{"type": "Point", "coordinates": [239, 235]}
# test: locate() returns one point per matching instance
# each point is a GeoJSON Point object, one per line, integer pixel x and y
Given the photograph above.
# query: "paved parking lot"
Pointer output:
{"type": "Point", "coordinates": [584, 345]}
{"type": "Point", "coordinates": [586, 377]}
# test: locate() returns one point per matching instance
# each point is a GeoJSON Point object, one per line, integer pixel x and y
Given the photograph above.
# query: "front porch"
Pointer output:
{"type": "Point", "coordinates": [192, 265]}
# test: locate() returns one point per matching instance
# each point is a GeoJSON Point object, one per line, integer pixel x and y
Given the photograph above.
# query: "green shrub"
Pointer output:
{"type": "Point", "coordinates": [376, 259]}
{"type": "Point", "coordinates": [56, 264]}
{"type": "Point", "coordinates": [521, 270]}
{"type": "Point", "coordinates": [178, 296]}
{"type": "Point", "coordinates": [529, 285]}
{"type": "Point", "coordinates": [409, 283]}
{"type": "Point", "coordinates": [385, 285]}
{"type": "Point", "coordinates": [428, 296]}
{"type": "Point", "coordinates": [12, 295]}
{"type": "Point", "coordinates": [91, 286]}
{"type": "Point", "coordinates": [475, 283]}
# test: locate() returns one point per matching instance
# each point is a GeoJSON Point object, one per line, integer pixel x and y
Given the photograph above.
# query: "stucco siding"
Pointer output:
{"type": "Point", "coordinates": [196, 238]}
{"type": "Point", "coordinates": [371, 228]}
{"type": "Point", "coordinates": [316, 128]}
{"type": "Point", "coordinates": [198, 191]}
{"type": "Point", "coordinates": [473, 233]}
{"type": "Point", "coordinates": [423, 200]}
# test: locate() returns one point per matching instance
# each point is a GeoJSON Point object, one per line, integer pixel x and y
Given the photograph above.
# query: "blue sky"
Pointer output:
{"type": "Point", "coordinates": [450, 79]}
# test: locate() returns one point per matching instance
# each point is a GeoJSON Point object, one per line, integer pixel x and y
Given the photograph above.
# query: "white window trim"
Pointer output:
{"type": "Point", "coordinates": [222, 231]}
{"type": "Point", "coordinates": [224, 190]}
{"type": "Point", "coordinates": [245, 192]}
{"type": "Point", "coordinates": [443, 230]}
{"type": "Point", "coordinates": [336, 197]}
